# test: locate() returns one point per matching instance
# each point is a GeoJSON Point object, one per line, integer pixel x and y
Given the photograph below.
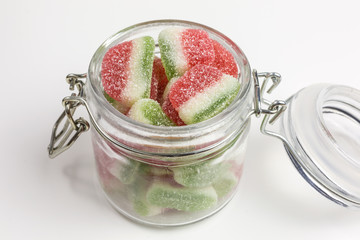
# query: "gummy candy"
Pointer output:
{"type": "Point", "coordinates": [197, 175]}
{"type": "Point", "coordinates": [140, 203]}
{"type": "Point", "coordinates": [225, 183]}
{"type": "Point", "coordinates": [149, 111]}
{"type": "Point", "coordinates": [167, 107]}
{"type": "Point", "coordinates": [182, 49]}
{"type": "Point", "coordinates": [184, 199]}
{"type": "Point", "coordinates": [126, 70]}
{"type": "Point", "coordinates": [202, 93]}
{"type": "Point", "coordinates": [224, 60]}
{"type": "Point", "coordinates": [203, 82]}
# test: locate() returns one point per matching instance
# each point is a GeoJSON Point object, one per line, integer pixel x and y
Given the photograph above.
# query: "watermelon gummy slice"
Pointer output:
{"type": "Point", "coordinates": [149, 111]}
{"type": "Point", "coordinates": [126, 70]}
{"type": "Point", "coordinates": [202, 92]}
{"type": "Point", "coordinates": [184, 199]}
{"type": "Point", "coordinates": [225, 183]}
{"type": "Point", "coordinates": [182, 49]}
{"type": "Point", "coordinates": [224, 60]}
{"type": "Point", "coordinates": [140, 203]}
{"type": "Point", "coordinates": [197, 175]}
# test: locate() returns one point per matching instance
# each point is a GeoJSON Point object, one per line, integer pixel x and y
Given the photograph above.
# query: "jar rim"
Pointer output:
{"type": "Point", "coordinates": [93, 77]}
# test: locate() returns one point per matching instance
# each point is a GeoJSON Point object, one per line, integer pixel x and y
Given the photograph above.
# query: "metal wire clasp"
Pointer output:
{"type": "Point", "coordinates": [275, 108]}
{"type": "Point", "coordinates": [71, 130]}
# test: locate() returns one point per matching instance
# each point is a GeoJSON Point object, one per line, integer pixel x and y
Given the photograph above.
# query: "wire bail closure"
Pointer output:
{"type": "Point", "coordinates": [61, 140]}
{"type": "Point", "coordinates": [275, 108]}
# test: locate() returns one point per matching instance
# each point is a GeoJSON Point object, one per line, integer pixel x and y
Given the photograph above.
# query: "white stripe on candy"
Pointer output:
{"type": "Point", "coordinates": [138, 82]}
{"type": "Point", "coordinates": [172, 36]}
{"type": "Point", "coordinates": [203, 100]}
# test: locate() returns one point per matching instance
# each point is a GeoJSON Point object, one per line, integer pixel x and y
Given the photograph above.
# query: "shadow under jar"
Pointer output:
{"type": "Point", "coordinates": [168, 176]}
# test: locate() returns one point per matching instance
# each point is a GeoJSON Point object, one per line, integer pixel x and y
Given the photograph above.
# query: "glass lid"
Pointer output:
{"type": "Point", "coordinates": [320, 129]}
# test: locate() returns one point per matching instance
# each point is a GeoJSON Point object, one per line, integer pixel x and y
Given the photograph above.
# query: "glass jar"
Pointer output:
{"type": "Point", "coordinates": [169, 176]}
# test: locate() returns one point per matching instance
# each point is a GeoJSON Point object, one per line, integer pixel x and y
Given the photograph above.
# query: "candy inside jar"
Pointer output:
{"type": "Point", "coordinates": [167, 194]}
{"type": "Point", "coordinates": [173, 99]}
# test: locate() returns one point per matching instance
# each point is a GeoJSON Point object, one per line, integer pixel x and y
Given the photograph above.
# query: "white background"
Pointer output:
{"type": "Point", "coordinates": [41, 42]}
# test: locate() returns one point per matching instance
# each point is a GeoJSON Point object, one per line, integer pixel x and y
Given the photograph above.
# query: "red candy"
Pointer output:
{"type": "Point", "coordinates": [170, 111]}
{"type": "Point", "coordinates": [224, 60]}
{"type": "Point", "coordinates": [160, 80]}
{"type": "Point", "coordinates": [192, 82]}
{"type": "Point", "coordinates": [154, 89]}
{"type": "Point", "coordinates": [115, 69]}
{"type": "Point", "coordinates": [197, 47]}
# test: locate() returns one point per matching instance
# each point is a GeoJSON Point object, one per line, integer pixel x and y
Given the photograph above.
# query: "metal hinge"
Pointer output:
{"type": "Point", "coordinates": [71, 129]}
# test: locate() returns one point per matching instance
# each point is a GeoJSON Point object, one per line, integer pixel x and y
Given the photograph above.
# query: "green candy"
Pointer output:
{"type": "Point", "coordinates": [219, 104]}
{"type": "Point", "coordinates": [140, 203]}
{"type": "Point", "coordinates": [197, 175]}
{"type": "Point", "coordinates": [150, 112]}
{"type": "Point", "coordinates": [225, 184]}
{"type": "Point", "coordinates": [154, 171]}
{"type": "Point", "coordinates": [183, 199]}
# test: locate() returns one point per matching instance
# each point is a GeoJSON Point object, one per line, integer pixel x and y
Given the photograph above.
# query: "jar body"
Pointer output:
{"type": "Point", "coordinates": [168, 195]}
{"type": "Point", "coordinates": [168, 176]}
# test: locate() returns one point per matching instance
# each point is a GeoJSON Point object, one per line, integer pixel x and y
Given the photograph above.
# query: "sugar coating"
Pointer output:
{"type": "Point", "coordinates": [224, 60]}
{"type": "Point", "coordinates": [183, 48]}
{"type": "Point", "coordinates": [154, 88]}
{"type": "Point", "coordinates": [170, 111]}
{"type": "Point", "coordinates": [197, 47]}
{"type": "Point", "coordinates": [139, 200]}
{"type": "Point", "coordinates": [138, 85]}
{"type": "Point", "coordinates": [210, 102]}
{"type": "Point", "coordinates": [168, 87]}
{"type": "Point", "coordinates": [184, 199]}
{"type": "Point", "coordinates": [197, 175]}
{"type": "Point", "coordinates": [149, 111]}
{"type": "Point", "coordinates": [171, 50]}
{"type": "Point", "coordinates": [202, 93]}
{"type": "Point", "coordinates": [194, 81]}
{"type": "Point", "coordinates": [127, 70]}
{"type": "Point", "coordinates": [167, 107]}
{"type": "Point", "coordinates": [225, 184]}
{"type": "Point", "coordinates": [115, 69]}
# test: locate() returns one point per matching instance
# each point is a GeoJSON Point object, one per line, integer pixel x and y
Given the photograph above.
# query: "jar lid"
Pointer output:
{"type": "Point", "coordinates": [321, 133]}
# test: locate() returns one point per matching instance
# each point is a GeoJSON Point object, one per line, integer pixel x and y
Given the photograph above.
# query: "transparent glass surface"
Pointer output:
{"type": "Point", "coordinates": [168, 176]}
{"type": "Point", "coordinates": [322, 130]}
{"type": "Point", "coordinates": [168, 195]}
